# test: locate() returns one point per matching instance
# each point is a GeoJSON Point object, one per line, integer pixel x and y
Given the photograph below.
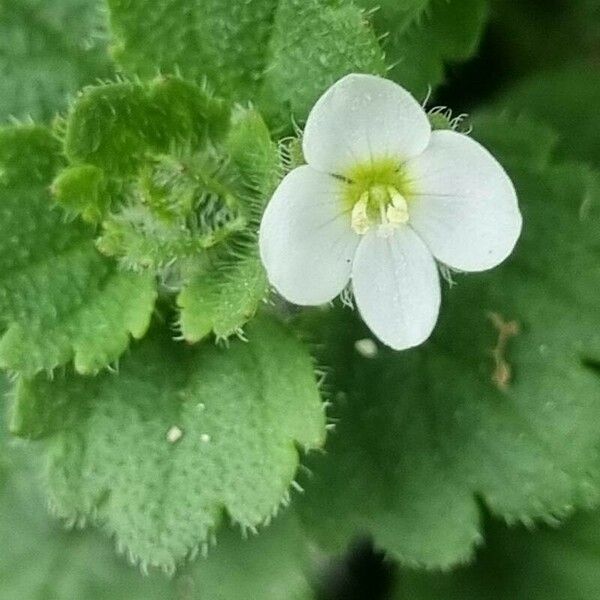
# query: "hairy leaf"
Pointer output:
{"type": "Point", "coordinates": [535, 37]}
{"type": "Point", "coordinates": [59, 298]}
{"type": "Point", "coordinates": [562, 99]}
{"type": "Point", "coordinates": [43, 560]}
{"type": "Point", "coordinates": [222, 298]}
{"type": "Point", "coordinates": [225, 42]}
{"type": "Point", "coordinates": [226, 293]}
{"type": "Point", "coordinates": [48, 50]}
{"type": "Point", "coordinates": [157, 453]}
{"type": "Point", "coordinates": [179, 188]}
{"type": "Point", "coordinates": [313, 44]}
{"type": "Point", "coordinates": [281, 52]}
{"type": "Point", "coordinates": [519, 140]}
{"type": "Point", "coordinates": [270, 566]}
{"type": "Point", "coordinates": [83, 190]}
{"type": "Point", "coordinates": [398, 14]}
{"type": "Point", "coordinates": [498, 405]}
{"type": "Point", "coordinates": [542, 564]}
{"type": "Point", "coordinates": [145, 164]}
{"type": "Point", "coordinates": [113, 126]}
{"type": "Point", "coordinates": [423, 36]}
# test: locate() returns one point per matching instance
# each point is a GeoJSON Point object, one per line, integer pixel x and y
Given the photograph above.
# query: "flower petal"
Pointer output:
{"type": "Point", "coordinates": [397, 288]}
{"type": "Point", "coordinates": [361, 118]}
{"type": "Point", "coordinates": [306, 241]}
{"type": "Point", "coordinates": [465, 207]}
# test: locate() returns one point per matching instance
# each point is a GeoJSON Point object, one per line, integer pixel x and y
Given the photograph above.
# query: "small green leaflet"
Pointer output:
{"type": "Point", "coordinates": [143, 165]}
{"type": "Point", "coordinates": [113, 126]}
{"type": "Point", "coordinates": [281, 53]}
{"type": "Point", "coordinates": [222, 298]}
{"type": "Point", "coordinates": [499, 405]}
{"type": "Point", "coordinates": [158, 453]}
{"type": "Point", "coordinates": [48, 51]}
{"type": "Point", "coordinates": [60, 300]}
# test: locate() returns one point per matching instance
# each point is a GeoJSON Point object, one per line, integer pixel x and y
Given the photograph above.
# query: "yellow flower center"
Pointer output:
{"type": "Point", "coordinates": [377, 193]}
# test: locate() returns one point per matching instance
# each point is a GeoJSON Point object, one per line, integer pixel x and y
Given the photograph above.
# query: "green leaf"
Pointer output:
{"type": "Point", "coordinates": [426, 35]}
{"type": "Point", "coordinates": [225, 42]}
{"type": "Point", "coordinates": [44, 560]}
{"type": "Point", "coordinates": [224, 295]}
{"type": "Point", "coordinates": [179, 186]}
{"type": "Point", "coordinates": [270, 566]}
{"type": "Point", "coordinates": [223, 298]}
{"type": "Point", "coordinates": [182, 202]}
{"type": "Point", "coordinates": [48, 51]}
{"type": "Point", "coordinates": [168, 215]}
{"type": "Point", "coordinates": [281, 52]}
{"type": "Point", "coordinates": [458, 26]}
{"type": "Point", "coordinates": [82, 190]}
{"type": "Point", "coordinates": [145, 164]}
{"type": "Point", "coordinates": [157, 453]}
{"type": "Point", "coordinates": [562, 99]}
{"type": "Point", "coordinates": [499, 405]}
{"type": "Point", "coordinates": [518, 141]}
{"type": "Point", "coordinates": [113, 126]}
{"type": "Point", "coordinates": [545, 564]}
{"type": "Point", "coordinates": [535, 39]}
{"type": "Point", "coordinates": [398, 14]}
{"type": "Point", "coordinates": [59, 298]}
{"type": "Point", "coordinates": [313, 44]}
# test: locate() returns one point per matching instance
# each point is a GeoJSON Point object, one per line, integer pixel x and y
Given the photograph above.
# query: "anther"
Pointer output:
{"type": "Point", "coordinates": [397, 211]}
{"type": "Point", "coordinates": [360, 217]}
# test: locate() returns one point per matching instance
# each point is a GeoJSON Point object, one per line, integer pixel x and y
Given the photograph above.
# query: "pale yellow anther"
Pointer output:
{"type": "Point", "coordinates": [397, 211]}
{"type": "Point", "coordinates": [361, 222]}
{"type": "Point", "coordinates": [388, 201]}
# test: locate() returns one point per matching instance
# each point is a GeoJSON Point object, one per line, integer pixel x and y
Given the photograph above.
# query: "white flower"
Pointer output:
{"type": "Point", "coordinates": [381, 199]}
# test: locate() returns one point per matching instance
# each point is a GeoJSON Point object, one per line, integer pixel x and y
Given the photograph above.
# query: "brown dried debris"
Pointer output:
{"type": "Point", "coordinates": [502, 375]}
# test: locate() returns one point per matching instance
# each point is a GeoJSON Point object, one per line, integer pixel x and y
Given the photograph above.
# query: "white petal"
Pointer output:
{"type": "Point", "coordinates": [361, 118]}
{"type": "Point", "coordinates": [306, 241]}
{"type": "Point", "coordinates": [397, 288]}
{"type": "Point", "coordinates": [465, 206]}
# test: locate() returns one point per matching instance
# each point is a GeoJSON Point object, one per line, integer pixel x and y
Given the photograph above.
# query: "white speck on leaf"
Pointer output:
{"type": "Point", "coordinates": [366, 347]}
{"type": "Point", "coordinates": [174, 434]}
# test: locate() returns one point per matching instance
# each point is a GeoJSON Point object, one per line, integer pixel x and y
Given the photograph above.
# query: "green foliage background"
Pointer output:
{"type": "Point", "coordinates": [160, 401]}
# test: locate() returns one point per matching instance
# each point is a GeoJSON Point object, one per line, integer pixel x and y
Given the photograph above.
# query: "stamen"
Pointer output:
{"type": "Point", "coordinates": [397, 211]}
{"type": "Point", "coordinates": [360, 217]}
{"type": "Point", "coordinates": [388, 201]}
